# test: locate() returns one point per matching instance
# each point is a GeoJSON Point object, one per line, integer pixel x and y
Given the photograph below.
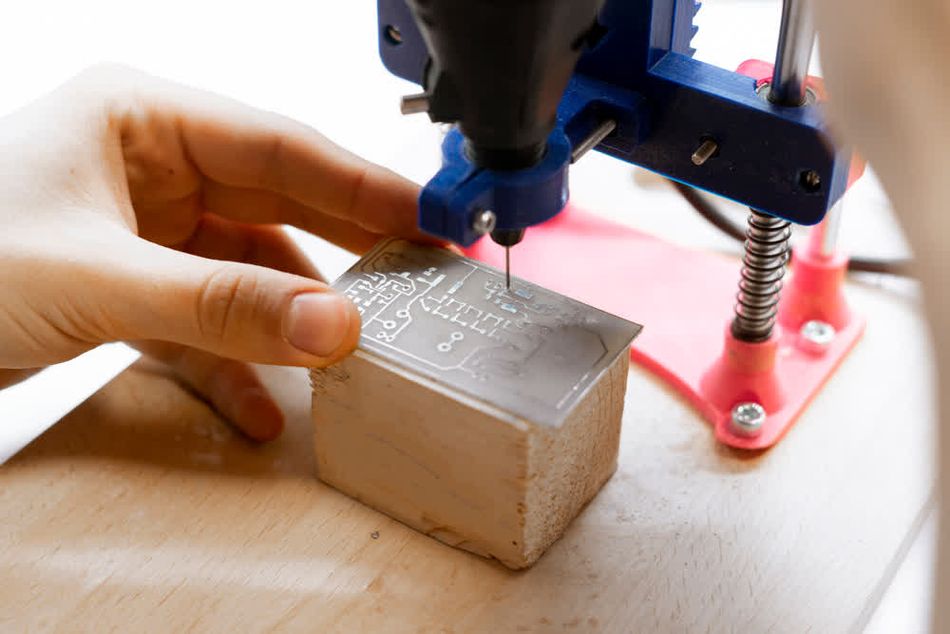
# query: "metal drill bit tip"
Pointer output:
{"type": "Point", "coordinates": [508, 268]}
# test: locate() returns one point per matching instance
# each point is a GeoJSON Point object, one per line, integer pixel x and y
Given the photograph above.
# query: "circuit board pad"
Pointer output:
{"type": "Point", "coordinates": [528, 351]}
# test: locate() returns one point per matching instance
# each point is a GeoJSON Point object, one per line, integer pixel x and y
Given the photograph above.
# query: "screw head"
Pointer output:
{"type": "Point", "coordinates": [747, 419]}
{"type": "Point", "coordinates": [484, 222]}
{"type": "Point", "coordinates": [817, 335]}
{"type": "Point", "coordinates": [393, 34]}
{"type": "Point", "coordinates": [810, 181]}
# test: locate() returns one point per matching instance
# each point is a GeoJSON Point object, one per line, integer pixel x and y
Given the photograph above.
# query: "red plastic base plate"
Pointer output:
{"type": "Point", "coordinates": [683, 298]}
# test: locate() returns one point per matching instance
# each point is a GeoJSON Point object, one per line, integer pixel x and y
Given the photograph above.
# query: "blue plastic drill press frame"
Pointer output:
{"type": "Point", "coordinates": [641, 74]}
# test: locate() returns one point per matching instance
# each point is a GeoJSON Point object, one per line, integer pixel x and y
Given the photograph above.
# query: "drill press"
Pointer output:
{"type": "Point", "coordinates": [531, 86]}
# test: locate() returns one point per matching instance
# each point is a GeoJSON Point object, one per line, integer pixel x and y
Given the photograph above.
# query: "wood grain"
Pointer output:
{"type": "Point", "coordinates": [142, 511]}
{"type": "Point", "coordinates": [456, 468]}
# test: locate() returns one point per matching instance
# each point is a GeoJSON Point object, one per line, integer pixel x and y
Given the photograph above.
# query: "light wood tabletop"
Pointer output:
{"type": "Point", "coordinates": [143, 511]}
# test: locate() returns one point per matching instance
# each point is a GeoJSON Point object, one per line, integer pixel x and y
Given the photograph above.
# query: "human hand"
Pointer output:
{"type": "Point", "coordinates": [885, 65]}
{"type": "Point", "coordinates": [141, 211]}
{"type": "Point", "coordinates": [885, 62]}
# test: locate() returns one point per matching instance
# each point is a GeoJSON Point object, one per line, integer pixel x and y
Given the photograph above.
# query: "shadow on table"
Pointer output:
{"type": "Point", "coordinates": [146, 416]}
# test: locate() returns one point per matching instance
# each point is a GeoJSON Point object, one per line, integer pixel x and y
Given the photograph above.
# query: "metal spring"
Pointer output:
{"type": "Point", "coordinates": [763, 266]}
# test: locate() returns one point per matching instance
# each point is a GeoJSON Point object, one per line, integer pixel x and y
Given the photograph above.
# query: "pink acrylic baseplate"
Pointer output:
{"type": "Point", "coordinates": [685, 298]}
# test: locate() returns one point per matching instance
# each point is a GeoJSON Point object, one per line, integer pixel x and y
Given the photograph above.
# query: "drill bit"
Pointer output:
{"type": "Point", "coordinates": [507, 238]}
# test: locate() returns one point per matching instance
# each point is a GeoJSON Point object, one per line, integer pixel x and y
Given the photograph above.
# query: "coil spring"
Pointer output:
{"type": "Point", "coordinates": [763, 266]}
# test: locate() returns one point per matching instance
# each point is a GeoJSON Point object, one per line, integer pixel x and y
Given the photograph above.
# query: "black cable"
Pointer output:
{"type": "Point", "coordinates": [710, 212]}
{"type": "Point", "coordinates": [715, 216]}
{"type": "Point", "coordinates": [897, 266]}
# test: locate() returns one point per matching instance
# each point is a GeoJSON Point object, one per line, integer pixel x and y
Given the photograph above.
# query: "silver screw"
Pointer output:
{"type": "Point", "coordinates": [818, 333]}
{"type": "Point", "coordinates": [484, 222]}
{"type": "Point", "coordinates": [747, 419]}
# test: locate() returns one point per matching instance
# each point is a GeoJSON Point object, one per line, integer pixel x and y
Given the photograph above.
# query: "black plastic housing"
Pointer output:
{"type": "Point", "coordinates": [498, 68]}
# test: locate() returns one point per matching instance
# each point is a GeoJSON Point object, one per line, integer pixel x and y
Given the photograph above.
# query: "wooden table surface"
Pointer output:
{"type": "Point", "coordinates": [143, 511]}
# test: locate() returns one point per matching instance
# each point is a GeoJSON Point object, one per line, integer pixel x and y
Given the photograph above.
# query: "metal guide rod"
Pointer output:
{"type": "Point", "coordinates": [795, 42]}
{"type": "Point", "coordinates": [793, 55]}
{"type": "Point", "coordinates": [766, 247]}
{"type": "Point", "coordinates": [823, 237]}
{"type": "Point", "coordinates": [593, 139]}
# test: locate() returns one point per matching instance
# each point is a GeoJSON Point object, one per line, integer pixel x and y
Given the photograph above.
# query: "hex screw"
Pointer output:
{"type": "Point", "coordinates": [747, 419]}
{"type": "Point", "coordinates": [817, 335]}
{"type": "Point", "coordinates": [484, 222]}
{"type": "Point", "coordinates": [810, 181]}
{"type": "Point", "coordinates": [393, 35]}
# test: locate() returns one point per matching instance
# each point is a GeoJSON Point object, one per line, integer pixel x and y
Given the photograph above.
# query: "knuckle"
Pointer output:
{"type": "Point", "coordinates": [269, 171]}
{"type": "Point", "coordinates": [33, 338]}
{"type": "Point", "coordinates": [357, 189]}
{"type": "Point", "coordinates": [223, 302]}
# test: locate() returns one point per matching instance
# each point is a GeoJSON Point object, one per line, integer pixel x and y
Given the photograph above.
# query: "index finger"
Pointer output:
{"type": "Point", "coordinates": [239, 146]}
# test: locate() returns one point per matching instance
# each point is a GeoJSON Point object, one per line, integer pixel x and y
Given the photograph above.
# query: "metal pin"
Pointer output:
{"type": "Point", "coordinates": [508, 268]}
{"type": "Point", "coordinates": [704, 152]}
{"type": "Point", "coordinates": [599, 133]}
{"type": "Point", "coordinates": [411, 104]}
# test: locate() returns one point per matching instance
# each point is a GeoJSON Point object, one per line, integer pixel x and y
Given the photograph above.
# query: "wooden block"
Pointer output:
{"type": "Point", "coordinates": [483, 416]}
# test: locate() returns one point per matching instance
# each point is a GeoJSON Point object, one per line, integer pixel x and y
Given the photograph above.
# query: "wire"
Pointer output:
{"type": "Point", "coordinates": [708, 210]}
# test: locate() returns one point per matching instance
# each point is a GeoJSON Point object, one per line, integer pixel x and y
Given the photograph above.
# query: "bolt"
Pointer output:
{"type": "Point", "coordinates": [747, 419]}
{"type": "Point", "coordinates": [810, 181]}
{"type": "Point", "coordinates": [818, 335]}
{"type": "Point", "coordinates": [393, 35]}
{"type": "Point", "coordinates": [484, 222]}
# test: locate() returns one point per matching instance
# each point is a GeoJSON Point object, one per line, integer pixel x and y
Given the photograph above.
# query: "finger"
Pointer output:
{"type": "Point", "coordinates": [239, 146]}
{"type": "Point", "coordinates": [12, 377]}
{"type": "Point", "coordinates": [137, 290]}
{"type": "Point", "coordinates": [232, 388]}
{"type": "Point", "coordinates": [260, 206]}
{"type": "Point", "coordinates": [221, 239]}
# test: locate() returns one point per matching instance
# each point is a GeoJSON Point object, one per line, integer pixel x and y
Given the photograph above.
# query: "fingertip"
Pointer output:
{"type": "Point", "coordinates": [350, 340]}
{"type": "Point", "coordinates": [324, 325]}
{"type": "Point", "coordinates": [318, 323]}
{"type": "Point", "coordinates": [259, 417]}
{"type": "Point", "coordinates": [356, 326]}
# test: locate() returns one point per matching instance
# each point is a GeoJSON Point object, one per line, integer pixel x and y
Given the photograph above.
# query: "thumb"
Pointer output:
{"type": "Point", "coordinates": [240, 311]}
